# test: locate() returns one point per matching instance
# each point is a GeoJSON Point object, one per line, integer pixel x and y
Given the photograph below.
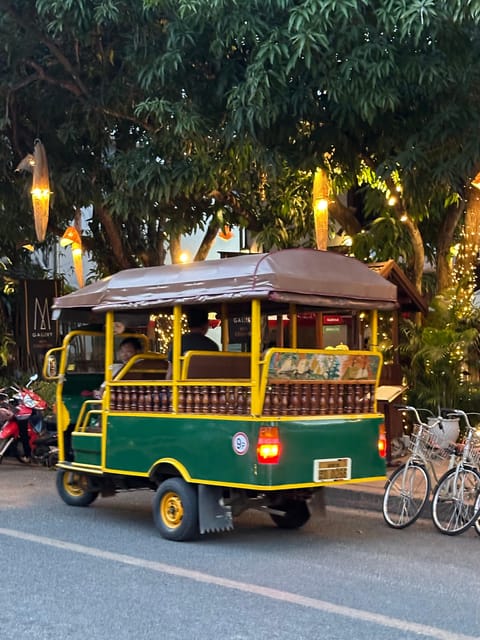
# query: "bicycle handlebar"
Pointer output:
{"type": "Point", "coordinates": [435, 420]}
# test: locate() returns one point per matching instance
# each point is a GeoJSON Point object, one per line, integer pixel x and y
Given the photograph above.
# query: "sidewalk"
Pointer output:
{"type": "Point", "coordinates": [358, 495]}
{"type": "Point", "coordinates": [369, 495]}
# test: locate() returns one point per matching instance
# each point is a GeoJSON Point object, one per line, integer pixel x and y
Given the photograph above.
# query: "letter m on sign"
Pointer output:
{"type": "Point", "coordinates": [41, 315]}
{"type": "Point", "coordinates": [40, 332]}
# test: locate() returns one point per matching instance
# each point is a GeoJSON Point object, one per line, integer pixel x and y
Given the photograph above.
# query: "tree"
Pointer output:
{"type": "Point", "coordinates": [170, 117]}
{"type": "Point", "coordinates": [382, 84]}
{"type": "Point", "coordinates": [78, 75]}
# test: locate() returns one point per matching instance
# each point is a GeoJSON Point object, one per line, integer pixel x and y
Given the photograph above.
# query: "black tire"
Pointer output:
{"type": "Point", "coordinates": [52, 459]}
{"type": "Point", "coordinates": [476, 524]}
{"type": "Point", "coordinates": [455, 501]}
{"type": "Point", "coordinates": [406, 493]}
{"type": "Point", "coordinates": [73, 488]}
{"type": "Point", "coordinates": [296, 515]}
{"type": "Point", "coordinates": [175, 510]}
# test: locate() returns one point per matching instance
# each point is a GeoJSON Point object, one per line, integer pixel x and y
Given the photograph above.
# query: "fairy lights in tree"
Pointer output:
{"type": "Point", "coordinates": [463, 272]}
{"type": "Point", "coordinates": [163, 330]}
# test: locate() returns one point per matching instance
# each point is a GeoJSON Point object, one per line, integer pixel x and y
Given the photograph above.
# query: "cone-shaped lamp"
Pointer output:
{"type": "Point", "coordinates": [40, 191]}
{"type": "Point", "coordinates": [38, 165]}
{"type": "Point", "coordinates": [71, 235]}
{"type": "Point", "coordinates": [77, 256]}
{"type": "Point", "coordinates": [320, 208]}
{"type": "Point", "coordinates": [226, 233]}
{"type": "Point", "coordinates": [476, 181]}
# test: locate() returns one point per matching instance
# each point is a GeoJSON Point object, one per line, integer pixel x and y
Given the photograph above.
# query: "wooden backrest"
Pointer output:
{"type": "Point", "coordinates": [212, 365]}
{"type": "Point", "coordinates": [144, 367]}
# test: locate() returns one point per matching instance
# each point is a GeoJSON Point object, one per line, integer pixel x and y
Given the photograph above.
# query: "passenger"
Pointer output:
{"type": "Point", "coordinates": [195, 339]}
{"type": "Point", "coordinates": [128, 348]}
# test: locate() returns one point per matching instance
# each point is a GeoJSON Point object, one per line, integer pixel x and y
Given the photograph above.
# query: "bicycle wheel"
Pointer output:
{"type": "Point", "coordinates": [455, 500]}
{"type": "Point", "coordinates": [476, 524]}
{"type": "Point", "coordinates": [405, 494]}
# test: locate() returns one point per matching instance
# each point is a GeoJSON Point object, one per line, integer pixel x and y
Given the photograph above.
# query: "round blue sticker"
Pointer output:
{"type": "Point", "coordinates": [240, 443]}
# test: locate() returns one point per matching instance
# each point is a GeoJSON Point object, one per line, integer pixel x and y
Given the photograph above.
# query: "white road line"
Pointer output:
{"type": "Point", "coordinates": [266, 592]}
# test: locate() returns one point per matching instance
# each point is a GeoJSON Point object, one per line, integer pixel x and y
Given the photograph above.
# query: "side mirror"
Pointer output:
{"type": "Point", "coordinates": [32, 379]}
{"type": "Point", "coordinates": [50, 366]}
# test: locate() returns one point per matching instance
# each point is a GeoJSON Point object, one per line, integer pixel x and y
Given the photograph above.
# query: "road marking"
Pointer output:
{"type": "Point", "coordinates": [266, 592]}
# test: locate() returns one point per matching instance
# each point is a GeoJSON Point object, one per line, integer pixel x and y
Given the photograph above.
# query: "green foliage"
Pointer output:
{"type": "Point", "coordinates": [46, 390]}
{"type": "Point", "coordinates": [438, 357]}
{"type": "Point", "coordinates": [167, 116]}
{"type": "Point", "coordinates": [7, 344]}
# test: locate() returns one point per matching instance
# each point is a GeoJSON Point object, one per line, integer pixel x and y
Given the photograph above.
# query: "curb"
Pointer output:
{"type": "Point", "coordinates": [346, 498]}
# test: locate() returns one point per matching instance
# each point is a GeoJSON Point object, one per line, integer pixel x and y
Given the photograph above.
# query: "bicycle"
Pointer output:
{"type": "Point", "coordinates": [456, 498]}
{"type": "Point", "coordinates": [408, 488]}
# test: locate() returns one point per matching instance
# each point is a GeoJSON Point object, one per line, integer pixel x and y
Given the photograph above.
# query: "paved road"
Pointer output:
{"type": "Point", "coordinates": [104, 573]}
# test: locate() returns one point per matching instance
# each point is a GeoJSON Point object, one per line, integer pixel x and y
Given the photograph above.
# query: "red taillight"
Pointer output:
{"type": "Point", "coordinates": [269, 447]}
{"type": "Point", "coordinates": [382, 441]}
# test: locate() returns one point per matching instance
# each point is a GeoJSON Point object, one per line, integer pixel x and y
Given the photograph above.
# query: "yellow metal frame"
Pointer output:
{"type": "Point", "coordinates": [257, 383]}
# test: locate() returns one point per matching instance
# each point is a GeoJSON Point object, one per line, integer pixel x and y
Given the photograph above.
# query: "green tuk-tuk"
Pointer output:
{"type": "Point", "coordinates": [264, 426]}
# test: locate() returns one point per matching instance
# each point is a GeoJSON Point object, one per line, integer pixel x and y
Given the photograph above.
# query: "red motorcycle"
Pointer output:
{"type": "Point", "coordinates": [22, 426]}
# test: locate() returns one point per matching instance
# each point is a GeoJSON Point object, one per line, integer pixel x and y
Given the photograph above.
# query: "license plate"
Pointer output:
{"type": "Point", "coordinates": [332, 469]}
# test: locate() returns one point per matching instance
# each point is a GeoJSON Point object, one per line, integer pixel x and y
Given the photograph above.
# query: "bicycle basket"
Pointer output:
{"type": "Point", "coordinates": [474, 453]}
{"type": "Point", "coordinates": [425, 444]}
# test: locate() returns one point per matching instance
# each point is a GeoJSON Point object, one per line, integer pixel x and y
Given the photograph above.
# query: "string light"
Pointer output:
{"type": "Point", "coordinates": [163, 330]}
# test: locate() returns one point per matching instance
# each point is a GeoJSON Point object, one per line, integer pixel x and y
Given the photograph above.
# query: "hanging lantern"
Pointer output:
{"type": "Point", "coordinates": [72, 237]}
{"type": "Point", "coordinates": [38, 166]}
{"type": "Point", "coordinates": [226, 233]}
{"type": "Point", "coordinates": [476, 181]}
{"type": "Point", "coordinates": [77, 255]}
{"type": "Point", "coordinates": [320, 208]}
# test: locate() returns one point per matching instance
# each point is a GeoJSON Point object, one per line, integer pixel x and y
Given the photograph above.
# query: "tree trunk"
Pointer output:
{"type": "Point", "coordinates": [466, 260]}
{"type": "Point", "coordinates": [175, 248]}
{"type": "Point", "coordinates": [345, 216]}
{"type": "Point", "coordinates": [111, 230]}
{"type": "Point", "coordinates": [444, 244]}
{"type": "Point", "coordinates": [418, 252]}
{"type": "Point", "coordinates": [207, 241]}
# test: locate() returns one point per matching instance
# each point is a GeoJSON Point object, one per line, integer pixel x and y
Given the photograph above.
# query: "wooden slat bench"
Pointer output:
{"type": "Point", "coordinates": [144, 367]}
{"type": "Point", "coordinates": [208, 365]}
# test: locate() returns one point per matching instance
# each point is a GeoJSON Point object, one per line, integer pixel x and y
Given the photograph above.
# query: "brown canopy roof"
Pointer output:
{"type": "Point", "coordinates": [320, 279]}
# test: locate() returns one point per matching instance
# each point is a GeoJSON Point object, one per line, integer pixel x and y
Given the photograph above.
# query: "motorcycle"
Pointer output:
{"type": "Point", "coordinates": [21, 417]}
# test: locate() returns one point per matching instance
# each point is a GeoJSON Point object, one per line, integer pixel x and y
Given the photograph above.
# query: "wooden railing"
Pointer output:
{"type": "Point", "coordinates": [282, 398]}
{"type": "Point", "coordinates": [318, 398]}
{"type": "Point", "coordinates": [303, 383]}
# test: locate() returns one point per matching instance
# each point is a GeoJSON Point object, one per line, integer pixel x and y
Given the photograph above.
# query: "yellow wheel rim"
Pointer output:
{"type": "Point", "coordinates": [171, 509]}
{"type": "Point", "coordinates": [72, 483]}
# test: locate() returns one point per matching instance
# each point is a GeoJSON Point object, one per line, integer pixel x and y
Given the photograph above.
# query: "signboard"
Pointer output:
{"type": "Point", "coordinates": [239, 330]}
{"type": "Point", "coordinates": [39, 332]}
{"type": "Point", "coordinates": [333, 319]}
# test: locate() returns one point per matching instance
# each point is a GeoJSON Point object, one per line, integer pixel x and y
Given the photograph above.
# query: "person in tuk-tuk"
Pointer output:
{"type": "Point", "coordinates": [196, 338]}
{"type": "Point", "coordinates": [128, 348]}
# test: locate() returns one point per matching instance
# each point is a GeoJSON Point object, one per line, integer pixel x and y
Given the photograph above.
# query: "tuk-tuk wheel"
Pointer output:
{"type": "Point", "coordinates": [175, 510]}
{"type": "Point", "coordinates": [296, 515]}
{"type": "Point", "coordinates": [73, 488]}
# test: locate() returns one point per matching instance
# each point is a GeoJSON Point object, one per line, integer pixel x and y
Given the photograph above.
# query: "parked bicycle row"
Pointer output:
{"type": "Point", "coordinates": [455, 493]}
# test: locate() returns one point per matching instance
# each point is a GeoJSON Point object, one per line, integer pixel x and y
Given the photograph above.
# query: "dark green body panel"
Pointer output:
{"type": "Point", "coordinates": [74, 386]}
{"type": "Point", "coordinates": [204, 447]}
{"type": "Point", "coordinates": [87, 447]}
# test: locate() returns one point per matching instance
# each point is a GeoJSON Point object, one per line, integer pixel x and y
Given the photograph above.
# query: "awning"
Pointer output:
{"type": "Point", "coordinates": [319, 279]}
